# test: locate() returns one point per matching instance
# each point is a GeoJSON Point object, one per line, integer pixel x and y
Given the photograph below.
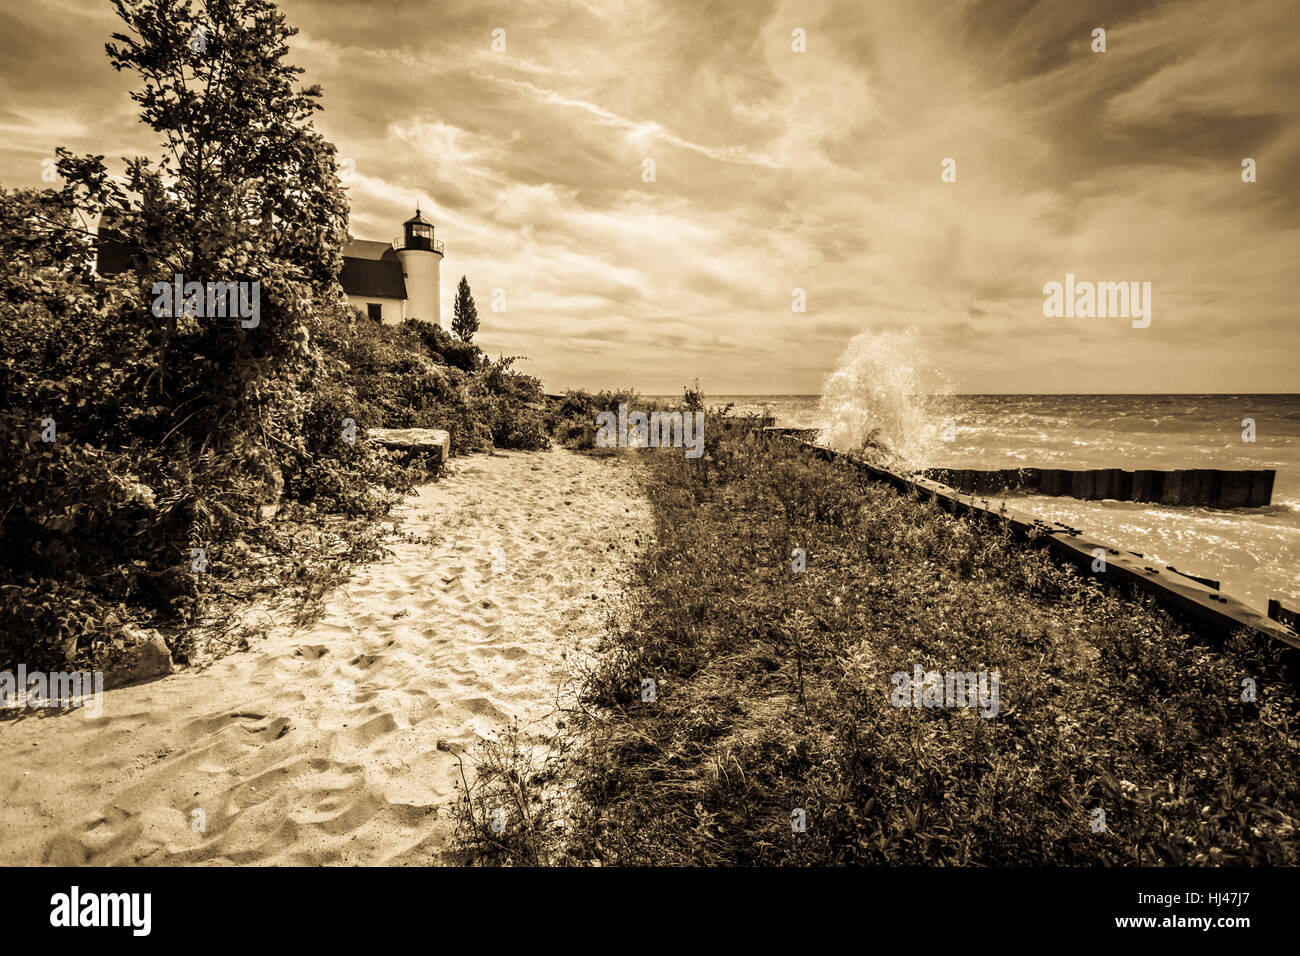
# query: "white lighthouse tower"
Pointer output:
{"type": "Point", "coordinates": [421, 256]}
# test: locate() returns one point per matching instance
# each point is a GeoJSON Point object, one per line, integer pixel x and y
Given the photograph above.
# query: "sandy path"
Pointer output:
{"type": "Point", "coordinates": [335, 743]}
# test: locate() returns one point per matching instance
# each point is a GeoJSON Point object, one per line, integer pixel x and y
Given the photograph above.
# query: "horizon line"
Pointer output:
{"type": "Point", "coordinates": [999, 394]}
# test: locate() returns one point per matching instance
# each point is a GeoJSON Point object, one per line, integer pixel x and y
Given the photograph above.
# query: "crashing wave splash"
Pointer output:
{"type": "Point", "coordinates": [882, 400]}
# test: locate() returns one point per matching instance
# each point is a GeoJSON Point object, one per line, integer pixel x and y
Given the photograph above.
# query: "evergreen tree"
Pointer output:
{"type": "Point", "coordinates": [464, 321]}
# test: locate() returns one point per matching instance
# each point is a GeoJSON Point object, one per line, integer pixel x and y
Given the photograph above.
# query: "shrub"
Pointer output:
{"type": "Point", "coordinates": [572, 418]}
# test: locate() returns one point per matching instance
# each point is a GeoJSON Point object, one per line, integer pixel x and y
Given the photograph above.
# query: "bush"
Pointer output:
{"type": "Point", "coordinates": [415, 375]}
{"type": "Point", "coordinates": [176, 430]}
{"type": "Point", "coordinates": [572, 418]}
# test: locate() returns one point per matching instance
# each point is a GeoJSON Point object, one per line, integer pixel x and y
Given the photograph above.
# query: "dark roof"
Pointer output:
{"type": "Point", "coordinates": [372, 269]}
{"type": "Point", "coordinates": [418, 219]}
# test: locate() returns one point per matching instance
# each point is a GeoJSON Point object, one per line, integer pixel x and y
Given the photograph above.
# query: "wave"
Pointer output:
{"type": "Point", "coordinates": [883, 398]}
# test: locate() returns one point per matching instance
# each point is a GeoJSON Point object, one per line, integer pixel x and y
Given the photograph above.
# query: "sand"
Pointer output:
{"type": "Point", "coordinates": [336, 743]}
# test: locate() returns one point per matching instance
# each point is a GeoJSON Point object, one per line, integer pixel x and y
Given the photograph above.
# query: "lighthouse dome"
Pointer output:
{"type": "Point", "coordinates": [417, 233]}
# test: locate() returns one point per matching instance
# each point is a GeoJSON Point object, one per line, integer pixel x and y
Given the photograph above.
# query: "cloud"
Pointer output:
{"type": "Point", "coordinates": [779, 170]}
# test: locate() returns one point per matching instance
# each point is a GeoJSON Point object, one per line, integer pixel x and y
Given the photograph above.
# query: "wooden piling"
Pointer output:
{"type": "Point", "coordinates": [1183, 487]}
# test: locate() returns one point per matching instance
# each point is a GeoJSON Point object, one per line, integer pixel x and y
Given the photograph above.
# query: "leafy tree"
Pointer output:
{"type": "Point", "coordinates": [464, 321]}
{"type": "Point", "coordinates": [168, 426]}
{"type": "Point", "coordinates": [246, 191]}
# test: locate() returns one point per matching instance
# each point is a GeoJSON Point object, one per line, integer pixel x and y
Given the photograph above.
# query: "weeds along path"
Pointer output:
{"type": "Point", "coordinates": [337, 743]}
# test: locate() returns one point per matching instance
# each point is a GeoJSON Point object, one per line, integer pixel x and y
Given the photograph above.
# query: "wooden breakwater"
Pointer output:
{"type": "Point", "coordinates": [1207, 487]}
{"type": "Point", "coordinates": [1197, 598]}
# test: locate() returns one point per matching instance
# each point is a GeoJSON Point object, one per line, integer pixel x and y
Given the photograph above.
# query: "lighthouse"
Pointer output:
{"type": "Point", "coordinates": [421, 257]}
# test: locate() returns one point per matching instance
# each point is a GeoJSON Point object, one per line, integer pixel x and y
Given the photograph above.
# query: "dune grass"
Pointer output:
{"type": "Point", "coordinates": [772, 694]}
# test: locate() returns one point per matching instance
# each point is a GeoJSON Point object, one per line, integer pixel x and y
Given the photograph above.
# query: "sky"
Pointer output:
{"type": "Point", "coordinates": [777, 170]}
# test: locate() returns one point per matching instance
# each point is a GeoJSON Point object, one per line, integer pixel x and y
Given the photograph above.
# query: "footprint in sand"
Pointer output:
{"type": "Point", "coordinates": [337, 743]}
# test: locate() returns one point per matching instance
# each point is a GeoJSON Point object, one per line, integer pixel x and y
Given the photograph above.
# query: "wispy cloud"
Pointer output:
{"type": "Point", "coordinates": [639, 129]}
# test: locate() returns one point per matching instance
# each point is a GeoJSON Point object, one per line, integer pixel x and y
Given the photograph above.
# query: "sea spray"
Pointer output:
{"type": "Point", "coordinates": [883, 397]}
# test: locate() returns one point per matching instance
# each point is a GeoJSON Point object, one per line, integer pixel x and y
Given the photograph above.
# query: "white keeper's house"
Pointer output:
{"type": "Point", "coordinates": [392, 281]}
